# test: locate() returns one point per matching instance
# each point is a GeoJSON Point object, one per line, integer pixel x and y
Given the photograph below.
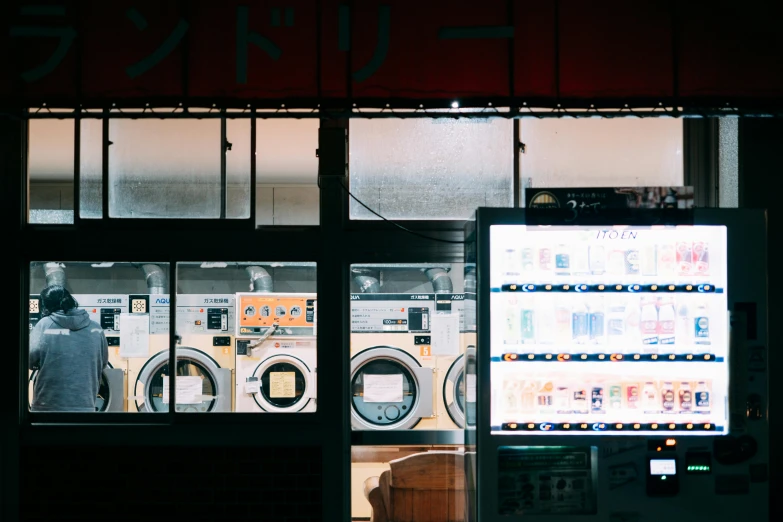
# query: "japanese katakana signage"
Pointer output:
{"type": "Point", "coordinates": [390, 51]}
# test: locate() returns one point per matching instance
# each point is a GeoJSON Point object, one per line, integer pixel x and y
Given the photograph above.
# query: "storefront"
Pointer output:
{"type": "Point", "coordinates": [251, 195]}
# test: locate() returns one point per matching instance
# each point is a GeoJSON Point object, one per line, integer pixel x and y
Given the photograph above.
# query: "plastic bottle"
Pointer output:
{"type": "Point", "coordinates": [546, 324]}
{"type": "Point", "coordinates": [633, 335]}
{"type": "Point", "coordinates": [579, 325]}
{"type": "Point", "coordinates": [527, 321]}
{"type": "Point", "coordinates": [562, 260]}
{"type": "Point", "coordinates": [513, 322]}
{"type": "Point", "coordinates": [615, 322]}
{"type": "Point", "coordinates": [666, 324]}
{"type": "Point", "coordinates": [702, 403]}
{"type": "Point", "coordinates": [597, 260]}
{"type": "Point", "coordinates": [684, 328]}
{"type": "Point", "coordinates": [650, 397]}
{"type": "Point", "coordinates": [685, 396]}
{"type": "Point", "coordinates": [667, 397]}
{"type": "Point", "coordinates": [648, 324]}
{"type": "Point", "coordinates": [563, 332]}
{"type": "Point", "coordinates": [596, 320]}
{"type": "Point", "coordinates": [701, 324]}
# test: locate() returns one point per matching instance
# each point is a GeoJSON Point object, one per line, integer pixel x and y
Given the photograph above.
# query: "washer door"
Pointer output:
{"type": "Point", "coordinates": [375, 414]}
{"type": "Point", "coordinates": [286, 384]}
{"type": "Point", "coordinates": [103, 400]}
{"type": "Point", "coordinates": [454, 391]}
{"type": "Point", "coordinates": [190, 363]}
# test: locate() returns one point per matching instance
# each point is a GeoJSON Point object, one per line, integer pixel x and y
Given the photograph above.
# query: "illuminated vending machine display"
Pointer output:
{"type": "Point", "coordinates": [620, 329]}
{"type": "Point", "coordinates": [620, 366]}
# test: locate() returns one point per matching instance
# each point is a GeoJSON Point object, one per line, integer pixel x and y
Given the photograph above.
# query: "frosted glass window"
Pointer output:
{"type": "Point", "coordinates": [164, 168]}
{"type": "Point", "coordinates": [601, 152]}
{"type": "Point", "coordinates": [50, 171]}
{"type": "Point", "coordinates": [287, 172]}
{"type": "Point", "coordinates": [238, 168]}
{"type": "Point", "coordinates": [728, 162]}
{"type": "Point", "coordinates": [91, 169]}
{"type": "Point", "coordinates": [430, 169]}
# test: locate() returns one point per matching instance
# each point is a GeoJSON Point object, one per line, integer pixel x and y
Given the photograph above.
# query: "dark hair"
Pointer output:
{"type": "Point", "coordinates": [56, 298]}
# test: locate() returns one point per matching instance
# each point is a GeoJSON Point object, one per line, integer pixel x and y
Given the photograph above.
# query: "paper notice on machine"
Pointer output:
{"type": "Point", "coordinates": [382, 388]}
{"type": "Point", "coordinates": [189, 390]}
{"type": "Point", "coordinates": [134, 335]}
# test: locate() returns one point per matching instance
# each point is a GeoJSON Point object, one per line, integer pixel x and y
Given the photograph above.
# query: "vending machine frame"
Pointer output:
{"type": "Point", "coordinates": [717, 475]}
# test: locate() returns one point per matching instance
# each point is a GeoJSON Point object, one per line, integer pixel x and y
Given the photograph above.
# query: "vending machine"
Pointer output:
{"type": "Point", "coordinates": [620, 365]}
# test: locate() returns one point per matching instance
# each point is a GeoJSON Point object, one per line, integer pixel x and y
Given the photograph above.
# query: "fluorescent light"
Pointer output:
{"type": "Point", "coordinates": [218, 264]}
{"type": "Point", "coordinates": [102, 265]}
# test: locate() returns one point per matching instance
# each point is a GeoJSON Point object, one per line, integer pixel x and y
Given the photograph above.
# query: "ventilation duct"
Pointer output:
{"type": "Point", "coordinates": [55, 274]}
{"type": "Point", "coordinates": [156, 279]}
{"type": "Point", "coordinates": [367, 284]}
{"type": "Point", "coordinates": [260, 280]}
{"type": "Point", "coordinates": [470, 279]}
{"type": "Point", "coordinates": [441, 282]}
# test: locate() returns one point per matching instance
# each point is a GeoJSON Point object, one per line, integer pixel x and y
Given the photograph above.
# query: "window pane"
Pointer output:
{"type": "Point", "coordinates": [50, 171]}
{"type": "Point", "coordinates": [287, 172]}
{"type": "Point", "coordinates": [125, 303]}
{"type": "Point", "coordinates": [595, 152]}
{"type": "Point", "coordinates": [238, 168]}
{"type": "Point", "coordinates": [728, 162]}
{"type": "Point", "coordinates": [165, 168]}
{"type": "Point", "coordinates": [247, 337]}
{"type": "Point", "coordinates": [430, 169]}
{"type": "Point", "coordinates": [91, 169]}
{"type": "Point", "coordinates": [410, 340]}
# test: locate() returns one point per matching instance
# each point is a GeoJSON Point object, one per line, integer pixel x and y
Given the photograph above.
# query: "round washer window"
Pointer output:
{"type": "Point", "coordinates": [276, 385]}
{"type": "Point", "coordinates": [185, 368]}
{"type": "Point", "coordinates": [383, 413]}
{"type": "Point", "coordinates": [459, 392]}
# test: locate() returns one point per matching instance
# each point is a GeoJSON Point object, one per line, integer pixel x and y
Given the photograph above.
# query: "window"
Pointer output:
{"type": "Point", "coordinates": [125, 303]}
{"type": "Point", "coordinates": [50, 171]}
{"type": "Point", "coordinates": [246, 337]}
{"type": "Point", "coordinates": [430, 168]}
{"type": "Point", "coordinates": [595, 152]}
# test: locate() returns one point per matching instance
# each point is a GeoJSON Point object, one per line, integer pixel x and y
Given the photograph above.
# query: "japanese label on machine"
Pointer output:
{"type": "Point", "coordinates": [391, 312]}
{"type": "Point", "coordinates": [546, 480]}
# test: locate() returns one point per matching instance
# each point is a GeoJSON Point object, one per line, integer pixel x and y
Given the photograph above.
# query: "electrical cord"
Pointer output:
{"type": "Point", "coordinates": [272, 329]}
{"type": "Point", "coordinates": [404, 229]}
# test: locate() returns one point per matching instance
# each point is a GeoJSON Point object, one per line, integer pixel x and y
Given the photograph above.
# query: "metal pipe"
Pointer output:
{"type": "Point", "coordinates": [156, 279]}
{"type": "Point", "coordinates": [260, 280]}
{"type": "Point", "coordinates": [441, 282]}
{"type": "Point", "coordinates": [55, 274]}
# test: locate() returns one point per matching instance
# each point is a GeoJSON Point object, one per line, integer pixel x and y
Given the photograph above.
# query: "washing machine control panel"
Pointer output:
{"type": "Point", "coordinates": [205, 314]}
{"type": "Point", "coordinates": [293, 314]}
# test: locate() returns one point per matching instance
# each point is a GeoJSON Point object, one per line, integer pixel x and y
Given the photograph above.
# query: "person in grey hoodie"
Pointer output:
{"type": "Point", "coordinates": [69, 351]}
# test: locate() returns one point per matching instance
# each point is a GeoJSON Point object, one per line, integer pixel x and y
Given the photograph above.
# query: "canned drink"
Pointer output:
{"type": "Point", "coordinates": [597, 400]}
{"type": "Point", "coordinates": [701, 258]}
{"type": "Point", "coordinates": [632, 395]}
{"type": "Point", "coordinates": [684, 257]}
{"type": "Point", "coordinates": [615, 397]}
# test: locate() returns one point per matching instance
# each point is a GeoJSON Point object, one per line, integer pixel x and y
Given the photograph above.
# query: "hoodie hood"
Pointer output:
{"type": "Point", "coordinates": [72, 320]}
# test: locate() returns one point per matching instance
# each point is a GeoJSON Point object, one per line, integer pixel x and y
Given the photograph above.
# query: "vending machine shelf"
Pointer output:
{"type": "Point", "coordinates": [634, 428]}
{"type": "Point", "coordinates": [607, 357]}
{"type": "Point", "coordinates": [611, 287]}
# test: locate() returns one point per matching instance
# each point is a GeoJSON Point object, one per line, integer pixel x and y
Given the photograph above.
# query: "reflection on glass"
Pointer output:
{"type": "Point", "coordinates": [106, 315]}
{"type": "Point", "coordinates": [370, 402]}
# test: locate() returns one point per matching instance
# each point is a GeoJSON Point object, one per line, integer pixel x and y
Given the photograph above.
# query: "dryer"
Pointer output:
{"type": "Point", "coordinates": [204, 352]}
{"type": "Point", "coordinates": [276, 352]}
{"type": "Point", "coordinates": [104, 310]}
{"type": "Point", "coordinates": [392, 366]}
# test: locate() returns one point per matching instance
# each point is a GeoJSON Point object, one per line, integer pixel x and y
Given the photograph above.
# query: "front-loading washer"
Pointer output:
{"type": "Point", "coordinates": [276, 352]}
{"type": "Point", "coordinates": [204, 354]}
{"type": "Point", "coordinates": [104, 310]}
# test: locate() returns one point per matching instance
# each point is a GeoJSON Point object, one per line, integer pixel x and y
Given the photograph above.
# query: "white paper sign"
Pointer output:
{"type": "Point", "coordinates": [189, 390]}
{"type": "Point", "coordinates": [382, 388]}
{"type": "Point", "coordinates": [252, 387]}
{"type": "Point", "coordinates": [470, 388]}
{"type": "Point", "coordinates": [445, 334]}
{"type": "Point", "coordinates": [134, 335]}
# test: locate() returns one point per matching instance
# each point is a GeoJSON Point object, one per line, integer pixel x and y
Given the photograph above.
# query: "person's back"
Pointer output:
{"type": "Point", "coordinates": [69, 351]}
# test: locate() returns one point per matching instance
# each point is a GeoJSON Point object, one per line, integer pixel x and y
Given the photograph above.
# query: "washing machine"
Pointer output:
{"type": "Point", "coordinates": [393, 371]}
{"type": "Point", "coordinates": [276, 352]}
{"type": "Point", "coordinates": [204, 351]}
{"type": "Point", "coordinates": [104, 310]}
